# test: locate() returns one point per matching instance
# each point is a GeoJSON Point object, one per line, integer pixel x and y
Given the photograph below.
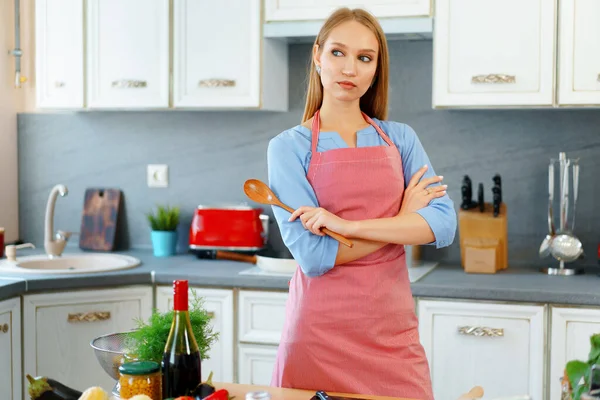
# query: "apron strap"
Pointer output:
{"type": "Point", "coordinates": [316, 128]}
{"type": "Point", "coordinates": [378, 129]}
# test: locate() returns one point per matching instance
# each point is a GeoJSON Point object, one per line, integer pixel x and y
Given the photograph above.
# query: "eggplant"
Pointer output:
{"type": "Point", "coordinates": [44, 388]}
{"type": "Point", "coordinates": [63, 390]}
{"type": "Point", "coordinates": [204, 389]}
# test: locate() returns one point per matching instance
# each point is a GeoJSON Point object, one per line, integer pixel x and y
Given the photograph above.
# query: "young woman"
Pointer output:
{"type": "Point", "coordinates": [350, 324]}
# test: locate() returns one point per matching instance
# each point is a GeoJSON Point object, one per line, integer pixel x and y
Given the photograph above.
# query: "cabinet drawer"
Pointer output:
{"type": "Point", "coordinates": [261, 316]}
{"type": "Point", "coordinates": [58, 329]}
{"type": "Point", "coordinates": [487, 341]}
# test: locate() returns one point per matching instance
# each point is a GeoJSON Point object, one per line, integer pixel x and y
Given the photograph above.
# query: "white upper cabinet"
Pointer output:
{"type": "Point", "coordinates": [59, 53]}
{"type": "Point", "coordinates": [579, 57]}
{"type": "Point", "coordinates": [128, 53]}
{"type": "Point", "coordinates": [294, 10]}
{"type": "Point", "coordinates": [494, 53]}
{"type": "Point", "coordinates": [220, 59]}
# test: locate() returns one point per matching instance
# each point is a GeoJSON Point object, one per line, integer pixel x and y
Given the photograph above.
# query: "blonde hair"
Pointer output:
{"type": "Point", "coordinates": [374, 102]}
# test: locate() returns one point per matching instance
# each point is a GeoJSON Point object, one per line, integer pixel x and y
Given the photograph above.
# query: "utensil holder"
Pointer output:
{"type": "Point", "coordinates": [567, 201]}
{"type": "Point", "coordinates": [483, 239]}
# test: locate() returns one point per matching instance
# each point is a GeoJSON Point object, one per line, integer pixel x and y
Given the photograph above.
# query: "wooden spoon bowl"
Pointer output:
{"type": "Point", "coordinates": [261, 193]}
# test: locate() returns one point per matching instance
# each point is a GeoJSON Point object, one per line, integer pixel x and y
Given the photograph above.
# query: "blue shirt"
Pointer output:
{"type": "Point", "coordinates": [288, 158]}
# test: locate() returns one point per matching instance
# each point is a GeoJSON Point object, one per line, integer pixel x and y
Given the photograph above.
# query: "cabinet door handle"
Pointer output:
{"type": "Point", "coordinates": [4, 328]}
{"type": "Point", "coordinates": [59, 84]}
{"type": "Point", "coordinates": [89, 317]}
{"type": "Point", "coordinates": [210, 83]}
{"type": "Point", "coordinates": [126, 84]}
{"type": "Point", "coordinates": [494, 78]}
{"type": "Point", "coordinates": [598, 78]}
{"type": "Point", "coordinates": [211, 314]}
{"type": "Point", "coordinates": [480, 331]}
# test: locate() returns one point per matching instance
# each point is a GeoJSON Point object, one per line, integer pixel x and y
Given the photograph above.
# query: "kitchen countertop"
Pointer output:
{"type": "Point", "coordinates": [11, 287]}
{"type": "Point", "coordinates": [512, 285]}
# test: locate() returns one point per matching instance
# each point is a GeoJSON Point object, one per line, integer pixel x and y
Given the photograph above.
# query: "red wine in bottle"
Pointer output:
{"type": "Point", "coordinates": [181, 360]}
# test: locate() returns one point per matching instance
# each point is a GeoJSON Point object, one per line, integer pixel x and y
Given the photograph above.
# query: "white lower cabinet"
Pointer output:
{"type": "Point", "coordinates": [256, 363]}
{"type": "Point", "coordinates": [261, 316]}
{"type": "Point", "coordinates": [58, 328]}
{"type": "Point", "coordinates": [497, 346]}
{"type": "Point", "coordinates": [569, 340]}
{"type": "Point", "coordinates": [501, 347]}
{"type": "Point", "coordinates": [219, 303]}
{"type": "Point", "coordinates": [10, 349]}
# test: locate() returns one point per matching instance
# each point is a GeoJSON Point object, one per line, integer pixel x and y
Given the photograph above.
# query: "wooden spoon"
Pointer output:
{"type": "Point", "coordinates": [261, 193]}
{"type": "Point", "coordinates": [475, 393]}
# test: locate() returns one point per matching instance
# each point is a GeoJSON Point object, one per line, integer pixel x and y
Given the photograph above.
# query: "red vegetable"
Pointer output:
{"type": "Point", "coordinates": [184, 398]}
{"type": "Point", "coordinates": [221, 394]}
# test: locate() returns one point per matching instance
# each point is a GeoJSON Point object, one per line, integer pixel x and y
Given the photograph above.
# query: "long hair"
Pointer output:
{"type": "Point", "coordinates": [374, 102]}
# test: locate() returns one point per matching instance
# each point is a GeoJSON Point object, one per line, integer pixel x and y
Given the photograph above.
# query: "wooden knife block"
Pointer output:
{"type": "Point", "coordinates": [483, 239]}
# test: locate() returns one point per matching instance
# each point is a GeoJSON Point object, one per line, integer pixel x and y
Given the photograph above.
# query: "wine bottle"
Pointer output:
{"type": "Point", "coordinates": [181, 363]}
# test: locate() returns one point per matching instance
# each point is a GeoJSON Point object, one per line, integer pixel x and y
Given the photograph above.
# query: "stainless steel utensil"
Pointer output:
{"type": "Point", "coordinates": [111, 350]}
{"type": "Point", "coordinates": [545, 246]}
{"type": "Point", "coordinates": [565, 247]}
{"type": "Point", "coordinates": [575, 192]}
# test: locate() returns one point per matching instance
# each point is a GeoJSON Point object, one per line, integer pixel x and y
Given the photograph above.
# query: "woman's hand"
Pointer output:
{"type": "Point", "coordinates": [417, 195]}
{"type": "Point", "coordinates": [316, 218]}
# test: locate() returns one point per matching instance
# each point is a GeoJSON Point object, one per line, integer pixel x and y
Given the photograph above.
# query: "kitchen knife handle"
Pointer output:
{"type": "Point", "coordinates": [227, 255]}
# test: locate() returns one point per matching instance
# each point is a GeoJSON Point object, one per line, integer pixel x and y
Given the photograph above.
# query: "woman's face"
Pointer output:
{"type": "Point", "coordinates": [348, 60]}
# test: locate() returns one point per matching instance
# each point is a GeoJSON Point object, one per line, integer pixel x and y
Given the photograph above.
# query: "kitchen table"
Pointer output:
{"type": "Point", "coordinates": [239, 391]}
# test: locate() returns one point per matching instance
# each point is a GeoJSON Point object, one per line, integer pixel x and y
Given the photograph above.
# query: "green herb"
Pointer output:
{"type": "Point", "coordinates": [148, 341]}
{"type": "Point", "coordinates": [165, 219]}
{"type": "Point", "coordinates": [578, 371]}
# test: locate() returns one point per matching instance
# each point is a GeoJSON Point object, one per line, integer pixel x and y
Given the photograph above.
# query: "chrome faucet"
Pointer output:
{"type": "Point", "coordinates": [54, 244]}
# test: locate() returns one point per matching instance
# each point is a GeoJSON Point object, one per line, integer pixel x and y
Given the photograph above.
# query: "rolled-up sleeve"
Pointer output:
{"type": "Point", "coordinates": [287, 178]}
{"type": "Point", "coordinates": [440, 213]}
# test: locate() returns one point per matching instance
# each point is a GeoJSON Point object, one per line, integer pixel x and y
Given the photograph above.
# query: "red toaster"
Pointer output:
{"type": "Point", "coordinates": [234, 228]}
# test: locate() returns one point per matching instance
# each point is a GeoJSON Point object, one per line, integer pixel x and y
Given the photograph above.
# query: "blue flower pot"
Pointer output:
{"type": "Point", "coordinates": [164, 243]}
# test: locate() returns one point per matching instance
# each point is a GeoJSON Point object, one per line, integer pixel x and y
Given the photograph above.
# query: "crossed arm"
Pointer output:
{"type": "Point", "coordinates": [422, 219]}
{"type": "Point", "coordinates": [370, 235]}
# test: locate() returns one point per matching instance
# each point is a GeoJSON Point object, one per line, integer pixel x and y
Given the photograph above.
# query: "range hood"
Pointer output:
{"type": "Point", "coordinates": [407, 28]}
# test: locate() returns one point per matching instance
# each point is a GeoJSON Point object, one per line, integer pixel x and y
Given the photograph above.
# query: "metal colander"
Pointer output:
{"type": "Point", "coordinates": [110, 351]}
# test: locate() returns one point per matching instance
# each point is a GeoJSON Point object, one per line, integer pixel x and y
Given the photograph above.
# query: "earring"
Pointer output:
{"type": "Point", "coordinates": [318, 68]}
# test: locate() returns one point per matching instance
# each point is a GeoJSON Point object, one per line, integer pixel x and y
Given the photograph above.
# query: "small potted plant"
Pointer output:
{"type": "Point", "coordinates": [164, 224]}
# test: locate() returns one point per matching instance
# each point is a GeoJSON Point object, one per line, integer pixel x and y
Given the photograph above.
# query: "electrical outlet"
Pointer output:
{"type": "Point", "coordinates": [157, 175]}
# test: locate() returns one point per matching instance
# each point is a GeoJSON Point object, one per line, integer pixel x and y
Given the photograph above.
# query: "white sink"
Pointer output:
{"type": "Point", "coordinates": [70, 263]}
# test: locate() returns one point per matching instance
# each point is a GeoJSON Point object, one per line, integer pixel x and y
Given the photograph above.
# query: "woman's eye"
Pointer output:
{"type": "Point", "coordinates": [365, 58]}
{"type": "Point", "coordinates": [337, 53]}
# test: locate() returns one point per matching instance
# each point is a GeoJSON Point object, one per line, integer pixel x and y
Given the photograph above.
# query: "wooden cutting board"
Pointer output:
{"type": "Point", "coordinates": [99, 219]}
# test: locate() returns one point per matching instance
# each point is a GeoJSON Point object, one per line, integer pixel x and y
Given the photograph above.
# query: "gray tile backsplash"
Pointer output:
{"type": "Point", "coordinates": [211, 154]}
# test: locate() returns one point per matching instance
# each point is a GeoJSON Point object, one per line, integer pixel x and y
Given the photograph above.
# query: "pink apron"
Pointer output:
{"type": "Point", "coordinates": [354, 329]}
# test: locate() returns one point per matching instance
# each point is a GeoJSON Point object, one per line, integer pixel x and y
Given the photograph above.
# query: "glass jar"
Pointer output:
{"type": "Point", "coordinates": [140, 377]}
{"type": "Point", "coordinates": [258, 395]}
